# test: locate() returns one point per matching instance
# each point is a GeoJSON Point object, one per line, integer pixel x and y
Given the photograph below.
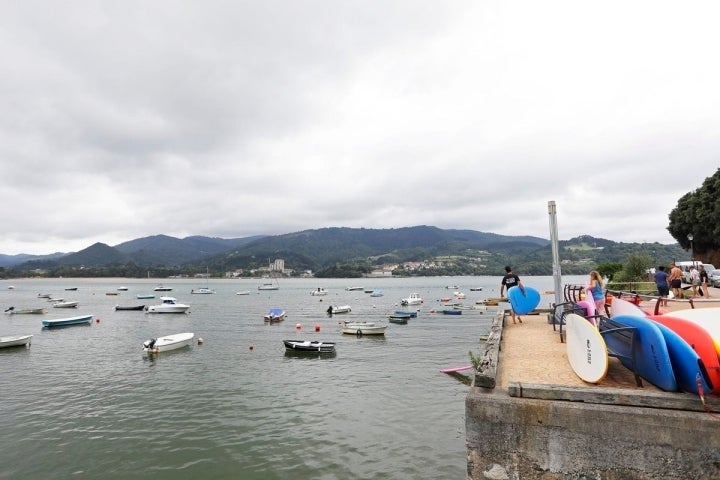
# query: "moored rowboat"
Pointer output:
{"type": "Point", "coordinates": [15, 341]}
{"type": "Point", "coordinates": [309, 346]}
{"type": "Point", "coordinates": [60, 322]}
{"type": "Point", "coordinates": [362, 328]}
{"type": "Point", "coordinates": [33, 311]}
{"type": "Point", "coordinates": [134, 307]}
{"type": "Point", "coordinates": [65, 305]}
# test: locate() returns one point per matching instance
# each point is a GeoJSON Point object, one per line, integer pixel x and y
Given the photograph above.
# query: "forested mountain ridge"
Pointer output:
{"type": "Point", "coordinates": [346, 251]}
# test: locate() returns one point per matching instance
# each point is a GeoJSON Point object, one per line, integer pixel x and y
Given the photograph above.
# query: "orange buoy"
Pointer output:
{"type": "Point", "coordinates": [317, 327]}
{"type": "Point", "coordinates": [252, 346]}
{"type": "Point", "coordinates": [97, 320]}
{"type": "Point", "coordinates": [298, 326]}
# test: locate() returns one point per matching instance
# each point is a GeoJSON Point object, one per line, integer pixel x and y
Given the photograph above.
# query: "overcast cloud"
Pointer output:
{"type": "Point", "coordinates": [125, 119]}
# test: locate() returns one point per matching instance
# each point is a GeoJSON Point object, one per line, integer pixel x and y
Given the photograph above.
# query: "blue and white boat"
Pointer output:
{"type": "Point", "coordinates": [60, 322]}
{"type": "Point", "coordinates": [275, 315]}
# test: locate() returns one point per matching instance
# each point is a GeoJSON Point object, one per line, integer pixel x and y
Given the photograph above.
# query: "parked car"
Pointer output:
{"type": "Point", "coordinates": [714, 278]}
{"type": "Point", "coordinates": [685, 267]}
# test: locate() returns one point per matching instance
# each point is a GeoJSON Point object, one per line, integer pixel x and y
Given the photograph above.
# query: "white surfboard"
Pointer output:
{"type": "Point", "coordinates": [586, 349]}
{"type": "Point", "coordinates": [618, 307]}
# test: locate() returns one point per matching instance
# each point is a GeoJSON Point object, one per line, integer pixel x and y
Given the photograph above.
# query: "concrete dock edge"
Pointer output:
{"type": "Point", "coordinates": [536, 431]}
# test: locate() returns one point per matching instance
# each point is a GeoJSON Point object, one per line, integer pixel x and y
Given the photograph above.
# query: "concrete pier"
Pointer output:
{"type": "Point", "coordinates": [528, 416]}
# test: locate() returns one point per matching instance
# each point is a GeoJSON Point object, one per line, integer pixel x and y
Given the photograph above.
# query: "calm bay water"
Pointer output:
{"type": "Point", "coordinates": [83, 402]}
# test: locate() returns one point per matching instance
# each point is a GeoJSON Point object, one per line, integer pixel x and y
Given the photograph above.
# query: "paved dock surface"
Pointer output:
{"type": "Point", "coordinates": [531, 352]}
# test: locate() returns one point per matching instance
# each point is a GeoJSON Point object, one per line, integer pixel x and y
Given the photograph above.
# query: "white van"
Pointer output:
{"type": "Point", "coordinates": [685, 267]}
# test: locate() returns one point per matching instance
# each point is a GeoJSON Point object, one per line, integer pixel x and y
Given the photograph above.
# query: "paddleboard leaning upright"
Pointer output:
{"type": "Point", "coordinates": [586, 349]}
{"type": "Point", "coordinates": [523, 304]}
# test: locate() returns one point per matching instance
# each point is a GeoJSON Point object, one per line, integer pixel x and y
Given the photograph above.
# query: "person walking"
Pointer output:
{"type": "Point", "coordinates": [675, 280]}
{"type": "Point", "coordinates": [663, 288]}
{"type": "Point", "coordinates": [508, 281]}
{"type": "Point", "coordinates": [595, 289]}
{"type": "Point", "coordinates": [704, 280]}
{"type": "Point", "coordinates": [694, 281]}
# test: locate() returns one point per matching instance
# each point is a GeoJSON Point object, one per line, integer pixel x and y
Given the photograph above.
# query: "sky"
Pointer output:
{"type": "Point", "coordinates": [125, 119]}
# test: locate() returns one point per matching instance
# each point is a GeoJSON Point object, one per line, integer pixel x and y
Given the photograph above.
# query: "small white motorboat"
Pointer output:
{"type": "Point", "coordinates": [243, 292]}
{"type": "Point", "coordinates": [338, 309]}
{"type": "Point", "coordinates": [413, 299]}
{"type": "Point", "coordinates": [162, 288]}
{"type": "Point", "coordinates": [65, 305]}
{"type": "Point", "coordinates": [168, 305]}
{"type": "Point", "coordinates": [319, 292]}
{"type": "Point", "coordinates": [169, 342]}
{"type": "Point", "coordinates": [15, 341]}
{"type": "Point", "coordinates": [202, 290]}
{"type": "Point", "coordinates": [275, 315]}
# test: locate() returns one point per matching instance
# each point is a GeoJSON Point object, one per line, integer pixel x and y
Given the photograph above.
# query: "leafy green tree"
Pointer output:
{"type": "Point", "coordinates": [635, 269]}
{"type": "Point", "coordinates": [609, 269]}
{"type": "Point", "coordinates": [698, 213]}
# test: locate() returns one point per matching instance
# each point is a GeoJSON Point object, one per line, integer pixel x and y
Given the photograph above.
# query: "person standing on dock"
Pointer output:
{"type": "Point", "coordinates": [661, 280]}
{"type": "Point", "coordinates": [675, 280]}
{"type": "Point", "coordinates": [694, 281]}
{"type": "Point", "coordinates": [704, 280]}
{"type": "Point", "coordinates": [508, 281]}
{"type": "Point", "coordinates": [595, 289]}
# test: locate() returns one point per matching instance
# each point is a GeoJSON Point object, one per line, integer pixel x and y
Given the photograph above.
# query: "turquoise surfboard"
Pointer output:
{"type": "Point", "coordinates": [523, 304]}
{"type": "Point", "coordinates": [652, 358]}
{"type": "Point", "coordinates": [686, 363]}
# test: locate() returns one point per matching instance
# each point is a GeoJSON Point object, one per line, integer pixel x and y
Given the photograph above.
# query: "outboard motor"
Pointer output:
{"type": "Point", "coordinates": [149, 344]}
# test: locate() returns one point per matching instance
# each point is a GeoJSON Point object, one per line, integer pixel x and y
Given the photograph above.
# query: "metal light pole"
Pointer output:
{"type": "Point", "coordinates": [552, 211]}
{"type": "Point", "coordinates": [692, 253]}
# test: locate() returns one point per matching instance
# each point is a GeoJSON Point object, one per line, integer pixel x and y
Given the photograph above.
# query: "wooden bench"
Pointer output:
{"type": "Point", "coordinates": [624, 335]}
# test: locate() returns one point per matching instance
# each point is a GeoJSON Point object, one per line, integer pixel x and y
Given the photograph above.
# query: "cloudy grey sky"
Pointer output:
{"type": "Point", "coordinates": [123, 119]}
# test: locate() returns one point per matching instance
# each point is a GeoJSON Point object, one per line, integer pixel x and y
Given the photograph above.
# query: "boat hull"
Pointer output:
{"type": "Point", "coordinates": [360, 329]}
{"type": "Point", "coordinates": [309, 346]}
{"type": "Point", "coordinates": [168, 309]}
{"type": "Point", "coordinates": [15, 341]}
{"type": "Point", "coordinates": [340, 309]}
{"type": "Point", "coordinates": [275, 315]}
{"type": "Point", "coordinates": [136, 307]}
{"type": "Point", "coordinates": [168, 342]}
{"type": "Point", "coordinates": [27, 311]}
{"type": "Point", "coordinates": [168, 305]}
{"type": "Point", "coordinates": [62, 322]}
{"type": "Point", "coordinates": [65, 305]}
{"type": "Point", "coordinates": [399, 319]}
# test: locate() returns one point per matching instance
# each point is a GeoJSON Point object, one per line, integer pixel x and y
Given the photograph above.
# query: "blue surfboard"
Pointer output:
{"type": "Point", "coordinates": [652, 359]}
{"type": "Point", "coordinates": [523, 304]}
{"type": "Point", "coordinates": [687, 364]}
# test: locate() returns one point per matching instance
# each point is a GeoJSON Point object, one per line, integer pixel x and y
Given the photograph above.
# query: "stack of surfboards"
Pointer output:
{"type": "Point", "coordinates": [678, 351]}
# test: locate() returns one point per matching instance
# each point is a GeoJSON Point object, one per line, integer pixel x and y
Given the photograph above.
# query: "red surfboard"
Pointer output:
{"type": "Point", "coordinates": [700, 340]}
